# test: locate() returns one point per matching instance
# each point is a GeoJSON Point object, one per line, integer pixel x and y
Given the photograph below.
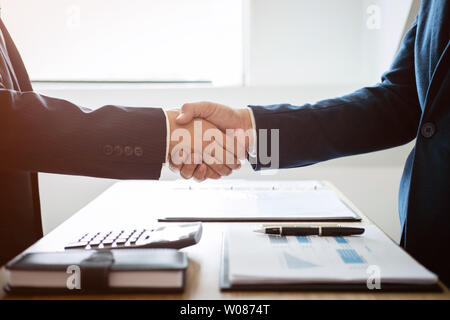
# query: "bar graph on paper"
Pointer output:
{"type": "Point", "coordinates": [300, 251]}
{"type": "Point", "coordinates": [261, 258]}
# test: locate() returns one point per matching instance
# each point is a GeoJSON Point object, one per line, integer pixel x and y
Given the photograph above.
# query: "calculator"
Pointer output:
{"type": "Point", "coordinates": [175, 236]}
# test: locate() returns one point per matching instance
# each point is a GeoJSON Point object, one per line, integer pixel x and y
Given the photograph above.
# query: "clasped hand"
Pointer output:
{"type": "Point", "coordinates": [208, 140]}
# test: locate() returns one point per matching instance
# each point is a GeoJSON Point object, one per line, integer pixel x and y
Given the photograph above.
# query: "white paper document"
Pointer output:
{"type": "Point", "coordinates": [263, 199]}
{"type": "Point", "coordinates": [256, 258]}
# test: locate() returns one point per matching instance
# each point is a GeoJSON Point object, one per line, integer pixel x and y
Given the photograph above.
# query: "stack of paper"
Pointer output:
{"type": "Point", "coordinates": [260, 259]}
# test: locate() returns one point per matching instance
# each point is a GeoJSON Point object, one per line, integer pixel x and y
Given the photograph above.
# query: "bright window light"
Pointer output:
{"type": "Point", "coordinates": [129, 40]}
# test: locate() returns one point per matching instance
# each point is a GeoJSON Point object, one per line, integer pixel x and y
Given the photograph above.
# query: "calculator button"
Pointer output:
{"type": "Point", "coordinates": [114, 235]}
{"type": "Point", "coordinates": [101, 236]}
{"type": "Point", "coordinates": [146, 235]}
{"type": "Point", "coordinates": [81, 244]}
{"type": "Point", "coordinates": [113, 239]}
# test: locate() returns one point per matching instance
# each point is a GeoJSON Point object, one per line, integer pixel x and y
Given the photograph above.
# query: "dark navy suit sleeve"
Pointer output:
{"type": "Point", "coordinates": [370, 119]}
{"type": "Point", "coordinates": [40, 133]}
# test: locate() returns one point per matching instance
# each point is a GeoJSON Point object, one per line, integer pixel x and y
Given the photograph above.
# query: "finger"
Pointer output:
{"type": "Point", "coordinates": [174, 167]}
{"type": "Point", "coordinates": [178, 156]}
{"type": "Point", "coordinates": [220, 160]}
{"type": "Point", "coordinates": [235, 142]}
{"type": "Point", "coordinates": [189, 111]}
{"type": "Point", "coordinates": [221, 169]}
{"type": "Point", "coordinates": [189, 167]}
{"type": "Point", "coordinates": [231, 161]}
{"type": "Point", "coordinates": [211, 174]}
{"type": "Point", "coordinates": [229, 152]}
{"type": "Point", "coordinates": [188, 170]}
{"type": "Point", "coordinates": [200, 172]}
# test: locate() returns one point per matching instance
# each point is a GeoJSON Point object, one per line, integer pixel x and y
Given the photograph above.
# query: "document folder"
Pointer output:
{"type": "Point", "coordinates": [255, 278]}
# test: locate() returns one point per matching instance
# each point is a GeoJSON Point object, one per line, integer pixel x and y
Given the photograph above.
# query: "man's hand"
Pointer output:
{"type": "Point", "coordinates": [224, 118]}
{"type": "Point", "coordinates": [198, 149]}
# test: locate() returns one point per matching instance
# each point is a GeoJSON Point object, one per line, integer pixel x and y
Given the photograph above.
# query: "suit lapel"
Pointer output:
{"type": "Point", "coordinates": [440, 72]}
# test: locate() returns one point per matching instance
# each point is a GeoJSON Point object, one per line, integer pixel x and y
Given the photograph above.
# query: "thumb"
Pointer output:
{"type": "Point", "coordinates": [186, 115]}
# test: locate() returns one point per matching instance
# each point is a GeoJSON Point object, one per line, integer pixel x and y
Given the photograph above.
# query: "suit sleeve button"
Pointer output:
{"type": "Point", "coordinates": [128, 151]}
{"type": "Point", "coordinates": [428, 130]}
{"type": "Point", "coordinates": [108, 150]}
{"type": "Point", "coordinates": [138, 151]}
{"type": "Point", "coordinates": [118, 150]}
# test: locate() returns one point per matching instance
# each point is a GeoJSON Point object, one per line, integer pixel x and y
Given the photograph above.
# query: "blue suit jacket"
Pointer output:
{"type": "Point", "coordinates": [411, 102]}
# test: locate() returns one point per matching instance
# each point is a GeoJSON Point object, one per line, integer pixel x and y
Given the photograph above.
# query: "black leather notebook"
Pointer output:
{"type": "Point", "coordinates": [81, 271]}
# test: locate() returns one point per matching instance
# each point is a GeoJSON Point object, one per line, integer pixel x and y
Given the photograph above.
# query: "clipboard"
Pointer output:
{"type": "Point", "coordinates": [262, 201]}
{"type": "Point", "coordinates": [256, 219]}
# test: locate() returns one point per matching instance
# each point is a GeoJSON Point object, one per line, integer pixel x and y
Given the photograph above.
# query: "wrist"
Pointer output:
{"type": "Point", "coordinates": [172, 114]}
{"type": "Point", "coordinates": [246, 121]}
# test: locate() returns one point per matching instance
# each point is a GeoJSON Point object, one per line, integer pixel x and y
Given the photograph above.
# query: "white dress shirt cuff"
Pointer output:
{"type": "Point", "coordinates": [167, 135]}
{"type": "Point", "coordinates": [253, 139]}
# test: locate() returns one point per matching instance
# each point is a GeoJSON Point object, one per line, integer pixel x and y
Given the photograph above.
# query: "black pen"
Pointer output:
{"type": "Point", "coordinates": [310, 231]}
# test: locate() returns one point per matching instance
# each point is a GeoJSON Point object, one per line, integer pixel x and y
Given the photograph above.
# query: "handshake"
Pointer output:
{"type": "Point", "coordinates": [208, 140]}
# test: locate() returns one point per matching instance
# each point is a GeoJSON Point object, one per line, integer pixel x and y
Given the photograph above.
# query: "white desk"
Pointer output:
{"type": "Point", "coordinates": [127, 204]}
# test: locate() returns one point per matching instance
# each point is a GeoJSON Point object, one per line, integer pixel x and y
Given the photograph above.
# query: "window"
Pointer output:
{"type": "Point", "coordinates": [286, 42]}
{"type": "Point", "coordinates": [129, 40]}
